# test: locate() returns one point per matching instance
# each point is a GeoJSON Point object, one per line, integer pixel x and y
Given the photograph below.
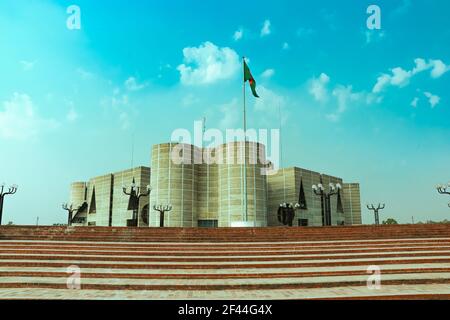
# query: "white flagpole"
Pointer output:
{"type": "Point", "coordinates": [245, 147]}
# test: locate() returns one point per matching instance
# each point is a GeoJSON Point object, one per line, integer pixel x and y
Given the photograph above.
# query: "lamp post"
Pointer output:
{"type": "Point", "coordinates": [375, 211]}
{"type": "Point", "coordinates": [11, 190]}
{"type": "Point", "coordinates": [162, 210]}
{"type": "Point", "coordinates": [326, 199]}
{"type": "Point", "coordinates": [444, 189]}
{"type": "Point", "coordinates": [70, 210]}
{"type": "Point", "coordinates": [286, 213]}
{"type": "Point", "coordinates": [135, 196]}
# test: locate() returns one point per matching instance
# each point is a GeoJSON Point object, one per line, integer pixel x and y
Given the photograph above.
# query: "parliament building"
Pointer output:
{"type": "Point", "coordinates": [205, 193]}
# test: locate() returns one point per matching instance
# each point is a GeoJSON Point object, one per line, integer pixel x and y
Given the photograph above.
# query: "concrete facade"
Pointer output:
{"type": "Point", "coordinates": [205, 188]}
{"type": "Point", "coordinates": [285, 187]}
{"type": "Point", "coordinates": [105, 202]}
{"type": "Point", "coordinates": [352, 203]}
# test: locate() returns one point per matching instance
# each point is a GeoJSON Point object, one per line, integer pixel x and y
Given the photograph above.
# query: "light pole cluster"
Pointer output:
{"type": "Point", "coordinates": [286, 213]}
{"type": "Point", "coordinates": [11, 190]}
{"type": "Point", "coordinates": [375, 211]}
{"type": "Point", "coordinates": [135, 196]}
{"type": "Point", "coordinates": [162, 210]}
{"type": "Point", "coordinates": [444, 189]}
{"type": "Point", "coordinates": [325, 198]}
{"type": "Point", "coordinates": [70, 210]}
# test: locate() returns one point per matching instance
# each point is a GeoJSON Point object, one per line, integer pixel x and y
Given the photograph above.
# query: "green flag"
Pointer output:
{"type": "Point", "coordinates": [248, 77]}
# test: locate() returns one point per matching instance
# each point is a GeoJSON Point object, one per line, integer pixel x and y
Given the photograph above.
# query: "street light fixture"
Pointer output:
{"type": "Point", "coordinates": [326, 199]}
{"type": "Point", "coordinates": [11, 190]}
{"type": "Point", "coordinates": [70, 210]}
{"type": "Point", "coordinates": [375, 211]}
{"type": "Point", "coordinates": [135, 197]}
{"type": "Point", "coordinates": [286, 213]}
{"type": "Point", "coordinates": [443, 189]}
{"type": "Point", "coordinates": [162, 210]}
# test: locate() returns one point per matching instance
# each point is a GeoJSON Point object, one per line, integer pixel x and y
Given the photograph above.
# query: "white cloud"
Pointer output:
{"type": "Point", "coordinates": [267, 107]}
{"type": "Point", "coordinates": [207, 64]}
{"type": "Point", "coordinates": [230, 115]}
{"type": "Point", "coordinates": [345, 98]}
{"type": "Point", "coordinates": [421, 65]}
{"type": "Point", "coordinates": [132, 85]}
{"type": "Point", "coordinates": [382, 82]}
{"type": "Point", "coordinates": [265, 31]}
{"type": "Point", "coordinates": [268, 73]}
{"type": "Point", "coordinates": [432, 99]}
{"type": "Point", "coordinates": [72, 115]}
{"type": "Point", "coordinates": [438, 68]}
{"type": "Point", "coordinates": [318, 87]}
{"type": "Point", "coordinates": [333, 117]}
{"type": "Point", "coordinates": [345, 95]}
{"type": "Point", "coordinates": [116, 100]}
{"type": "Point", "coordinates": [238, 34]}
{"type": "Point", "coordinates": [414, 102]}
{"type": "Point", "coordinates": [342, 97]}
{"type": "Point", "coordinates": [27, 65]}
{"type": "Point", "coordinates": [19, 119]}
{"type": "Point", "coordinates": [401, 78]}
{"type": "Point", "coordinates": [285, 46]}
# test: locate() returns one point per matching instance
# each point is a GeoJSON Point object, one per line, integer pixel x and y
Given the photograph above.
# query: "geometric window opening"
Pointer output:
{"type": "Point", "coordinates": [340, 208]}
{"type": "Point", "coordinates": [302, 198]}
{"type": "Point", "coordinates": [93, 206]}
{"type": "Point", "coordinates": [144, 214]}
{"type": "Point", "coordinates": [207, 223]}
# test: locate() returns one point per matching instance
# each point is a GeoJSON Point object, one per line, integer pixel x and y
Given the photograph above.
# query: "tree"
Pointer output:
{"type": "Point", "coordinates": [390, 221]}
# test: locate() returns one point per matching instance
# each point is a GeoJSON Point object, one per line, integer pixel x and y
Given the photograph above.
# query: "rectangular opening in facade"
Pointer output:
{"type": "Point", "coordinates": [208, 223]}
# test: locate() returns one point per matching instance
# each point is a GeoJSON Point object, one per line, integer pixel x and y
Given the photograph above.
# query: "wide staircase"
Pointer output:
{"type": "Point", "coordinates": [413, 262]}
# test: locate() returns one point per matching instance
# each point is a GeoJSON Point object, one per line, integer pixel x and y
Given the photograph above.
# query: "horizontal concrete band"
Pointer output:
{"type": "Point", "coordinates": [333, 278]}
{"type": "Point", "coordinates": [410, 266]}
{"type": "Point", "coordinates": [223, 265]}
{"type": "Point", "coordinates": [237, 270]}
{"type": "Point", "coordinates": [197, 239]}
{"type": "Point", "coordinates": [427, 291]}
{"type": "Point", "coordinates": [194, 287]}
{"type": "Point", "coordinates": [226, 259]}
{"type": "Point", "coordinates": [210, 253]}
{"type": "Point", "coordinates": [206, 245]}
{"type": "Point", "coordinates": [33, 275]}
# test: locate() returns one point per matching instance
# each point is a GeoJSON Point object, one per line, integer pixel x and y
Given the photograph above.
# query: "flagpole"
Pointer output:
{"type": "Point", "coordinates": [245, 147]}
{"type": "Point", "coordinates": [281, 136]}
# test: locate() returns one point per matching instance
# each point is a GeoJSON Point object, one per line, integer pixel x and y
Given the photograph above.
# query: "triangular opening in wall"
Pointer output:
{"type": "Point", "coordinates": [93, 206]}
{"type": "Point", "coordinates": [302, 198]}
{"type": "Point", "coordinates": [340, 208]}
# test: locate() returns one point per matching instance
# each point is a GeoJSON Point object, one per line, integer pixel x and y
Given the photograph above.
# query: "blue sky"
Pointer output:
{"type": "Point", "coordinates": [370, 106]}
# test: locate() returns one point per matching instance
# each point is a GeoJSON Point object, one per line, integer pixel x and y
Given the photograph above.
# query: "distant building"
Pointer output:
{"type": "Point", "coordinates": [103, 202]}
{"type": "Point", "coordinates": [205, 188]}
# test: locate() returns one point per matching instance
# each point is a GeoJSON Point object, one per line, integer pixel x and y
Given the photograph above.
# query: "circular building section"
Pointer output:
{"type": "Point", "coordinates": [242, 204]}
{"type": "Point", "coordinates": [173, 180]}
